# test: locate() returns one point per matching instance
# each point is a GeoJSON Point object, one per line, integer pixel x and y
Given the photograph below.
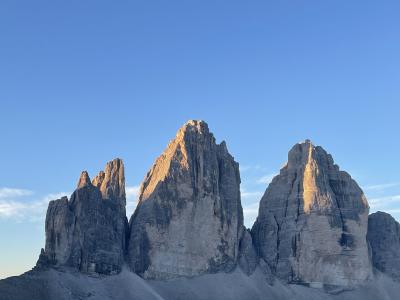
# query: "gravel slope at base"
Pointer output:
{"type": "Point", "coordinates": [59, 285]}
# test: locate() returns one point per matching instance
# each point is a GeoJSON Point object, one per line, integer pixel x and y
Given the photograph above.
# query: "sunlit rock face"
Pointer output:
{"type": "Point", "coordinates": [189, 216]}
{"type": "Point", "coordinates": [88, 232]}
{"type": "Point", "coordinates": [384, 238]}
{"type": "Point", "coordinates": [312, 222]}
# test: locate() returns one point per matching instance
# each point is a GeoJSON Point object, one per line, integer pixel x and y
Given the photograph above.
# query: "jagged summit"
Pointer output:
{"type": "Point", "coordinates": [178, 155]}
{"type": "Point", "coordinates": [84, 180]}
{"type": "Point", "coordinates": [190, 128]}
{"type": "Point", "coordinates": [189, 217]}
{"type": "Point", "coordinates": [311, 230]}
{"type": "Point", "coordinates": [88, 231]}
{"type": "Point", "coordinates": [312, 222]}
{"type": "Point", "coordinates": [198, 125]}
{"type": "Point", "coordinates": [111, 182]}
{"type": "Point", "coordinates": [315, 166]}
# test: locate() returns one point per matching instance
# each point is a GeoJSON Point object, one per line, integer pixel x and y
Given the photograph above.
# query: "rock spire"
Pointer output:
{"type": "Point", "coordinates": [189, 217]}
{"type": "Point", "coordinates": [88, 231]}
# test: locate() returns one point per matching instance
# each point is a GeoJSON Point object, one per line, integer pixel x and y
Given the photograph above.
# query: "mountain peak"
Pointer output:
{"type": "Point", "coordinates": [189, 209]}
{"type": "Point", "coordinates": [84, 180]}
{"type": "Point", "coordinates": [88, 231]}
{"type": "Point", "coordinates": [192, 128]}
{"type": "Point", "coordinates": [195, 123]}
{"type": "Point", "coordinates": [309, 195]}
{"type": "Point", "coordinates": [113, 183]}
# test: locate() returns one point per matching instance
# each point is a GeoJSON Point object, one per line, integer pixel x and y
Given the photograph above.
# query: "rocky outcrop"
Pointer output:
{"type": "Point", "coordinates": [384, 238]}
{"type": "Point", "coordinates": [312, 222]}
{"type": "Point", "coordinates": [88, 232]}
{"type": "Point", "coordinates": [248, 258]}
{"type": "Point", "coordinates": [189, 216]}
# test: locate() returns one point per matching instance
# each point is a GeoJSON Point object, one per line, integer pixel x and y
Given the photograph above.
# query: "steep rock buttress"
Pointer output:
{"type": "Point", "coordinates": [189, 217]}
{"type": "Point", "coordinates": [88, 232]}
{"type": "Point", "coordinates": [312, 222]}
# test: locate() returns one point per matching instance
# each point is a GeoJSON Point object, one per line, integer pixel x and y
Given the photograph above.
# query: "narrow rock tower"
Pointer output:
{"type": "Point", "coordinates": [88, 232]}
{"type": "Point", "coordinates": [189, 217]}
{"type": "Point", "coordinates": [312, 222]}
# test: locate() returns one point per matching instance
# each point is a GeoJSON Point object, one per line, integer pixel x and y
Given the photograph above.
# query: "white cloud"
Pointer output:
{"type": "Point", "coordinates": [13, 193]}
{"type": "Point", "coordinates": [244, 168]}
{"type": "Point", "coordinates": [389, 204]}
{"type": "Point", "coordinates": [393, 211]}
{"type": "Point", "coordinates": [25, 209]}
{"type": "Point", "coordinates": [250, 212]}
{"type": "Point", "coordinates": [383, 201]}
{"type": "Point", "coordinates": [266, 179]}
{"type": "Point", "coordinates": [13, 205]}
{"type": "Point", "coordinates": [379, 187]}
{"type": "Point", "coordinates": [132, 193]}
{"type": "Point", "coordinates": [253, 168]}
{"type": "Point", "coordinates": [250, 194]}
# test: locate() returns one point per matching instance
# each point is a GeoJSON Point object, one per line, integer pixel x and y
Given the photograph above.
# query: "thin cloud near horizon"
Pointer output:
{"type": "Point", "coordinates": [17, 203]}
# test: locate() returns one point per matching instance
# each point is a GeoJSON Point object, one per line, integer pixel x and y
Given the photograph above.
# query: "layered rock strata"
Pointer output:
{"type": "Point", "coordinates": [312, 222]}
{"type": "Point", "coordinates": [189, 216]}
{"type": "Point", "coordinates": [384, 238]}
{"type": "Point", "coordinates": [88, 231]}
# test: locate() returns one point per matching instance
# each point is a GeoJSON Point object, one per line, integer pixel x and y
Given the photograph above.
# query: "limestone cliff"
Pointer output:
{"type": "Point", "coordinates": [384, 238]}
{"type": "Point", "coordinates": [312, 222]}
{"type": "Point", "coordinates": [88, 231]}
{"type": "Point", "coordinates": [189, 217]}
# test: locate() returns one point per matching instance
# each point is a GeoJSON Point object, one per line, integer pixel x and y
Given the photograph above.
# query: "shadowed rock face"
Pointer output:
{"type": "Point", "coordinates": [384, 238]}
{"type": "Point", "coordinates": [88, 231]}
{"type": "Point", "coordinates": [312, 222]}
{"type": "Point", "coordinates": [189, 216]}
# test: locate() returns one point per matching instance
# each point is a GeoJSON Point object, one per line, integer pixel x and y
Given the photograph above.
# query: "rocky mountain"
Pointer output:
{"type": "Point", "coordinates": [88, 231]}
{"type": "Point", "coordinates": [189, 217]}
{"type": "Point", "coordinates": [312, 222]}
{"type": "Point", "coordinates": [384, 238]}
{"type": "Point", "coordinates": [186, 238]}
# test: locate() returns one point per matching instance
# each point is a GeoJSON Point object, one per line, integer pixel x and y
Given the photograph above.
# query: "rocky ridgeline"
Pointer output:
{"type": "Point", "coordinates": [311, 228]}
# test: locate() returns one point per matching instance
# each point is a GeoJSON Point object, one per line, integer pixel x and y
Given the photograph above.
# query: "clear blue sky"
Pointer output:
{"type": "Point", "coordinates": [83, 82]}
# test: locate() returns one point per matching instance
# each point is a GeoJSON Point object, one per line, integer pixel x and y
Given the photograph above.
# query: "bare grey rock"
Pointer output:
{"type": "Point", "coordinates": [88, 232]}
{"type": "Point", "coordinates": [312, 222]}
{"type": "Point", "coordinates": [248, 258]}
{"type": "Point", "coordinates": [56, 285]}
{"type": "Point", "coordinates": [384, 238]}
{"type": "Point", "coordinates": [84, 180]}
{"type": "Point", "coordinates": [111, 182]}
{"type": "Point", "coordinates": [189, 217]}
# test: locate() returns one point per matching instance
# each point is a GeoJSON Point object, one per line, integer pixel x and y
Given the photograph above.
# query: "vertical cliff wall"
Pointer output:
{"type": "Point", "coordinates": [312, 222]}
{"type": "Point", "coordinates": [189, 216]}
{"type": "Point", "coordinates": [88, 232]}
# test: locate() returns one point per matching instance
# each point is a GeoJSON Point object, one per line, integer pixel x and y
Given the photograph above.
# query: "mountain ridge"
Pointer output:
{"type": "Point", "coordinates": [311, 231]}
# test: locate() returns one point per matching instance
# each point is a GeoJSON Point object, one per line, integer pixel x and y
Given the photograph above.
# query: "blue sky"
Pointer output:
{"type": "Point", "coordinates": [83, 82]}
